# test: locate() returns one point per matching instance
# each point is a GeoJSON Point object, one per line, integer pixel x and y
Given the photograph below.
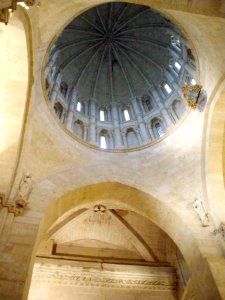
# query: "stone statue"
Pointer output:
{"type": "Point", "coordinates": [202, 100]}
{"type": "Point", "coordinates": [24, 191]}
{"type": "Point", "coordinates": [201, 211]}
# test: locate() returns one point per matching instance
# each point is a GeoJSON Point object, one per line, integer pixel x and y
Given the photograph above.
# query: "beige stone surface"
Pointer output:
{"type": "Point", "coordinates": [185, 164]}
{"type": "Point", "coordinates": [13, 89]}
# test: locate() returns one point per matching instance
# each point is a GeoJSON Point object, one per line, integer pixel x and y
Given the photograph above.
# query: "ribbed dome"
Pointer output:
{"type": "Point", "coordinates": [115, 75]}
{"type": "Point", "coordinates": [115, 52]}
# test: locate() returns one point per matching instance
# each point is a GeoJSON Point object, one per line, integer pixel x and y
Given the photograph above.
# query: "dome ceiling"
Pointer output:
{"type": "Point", "coordinates": [115, 52]}
{"type": "Point", "coordinates": [115, 74]}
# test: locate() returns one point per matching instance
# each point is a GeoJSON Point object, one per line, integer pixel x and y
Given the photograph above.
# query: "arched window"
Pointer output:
{"type": "Point", "coordinates": [78, 106]}
{"type": "Point", "coordinates": [79, 129]}
{"type": "Point", "coordinates": [126, 115]}
{"type": "Point", "coordinates": [104, 139]}
{"type": "Point", "coordinates": [167, 88]}
{"type": "Point", "coordinates": [63, 88]}
{"type": "Point", "coordinates": [58, 109]}
{"type": "Point", "coordinates": [131, 137]}
{"type": "Point", "coordinates": [157, 128]}
{"type": "Point", "coordinates": [103, 142]}
{"type": "Point", "coordinates": [102, 115]}
{"type": "Point", "coordinates": [177, 66]}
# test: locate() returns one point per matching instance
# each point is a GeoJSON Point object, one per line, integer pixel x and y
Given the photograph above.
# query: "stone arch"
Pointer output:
{"type": "Point", "coordinates": [17, 67]}
{"type": "Point", "coordinates": [104, 133]}
{"type": "Point", "coordinates": [163, 215]}
{"type": "Point", "coordinates": [79, 128]}
{"type": "Point", "coordinates": [214, 169]}
{"type": "Point", "coordinates": [131, 137]}
{"type": "Point", "coordinates": [157, 127]}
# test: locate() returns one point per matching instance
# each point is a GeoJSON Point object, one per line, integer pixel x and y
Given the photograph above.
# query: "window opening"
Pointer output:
{"type": "Point", "coordinates": [103, 142]}
{"type": "Point", "coordinates": [159, 129]}
{"type": "Point", "coordinates": [102, 115]}
{"type": "Point", "coordinates": [167, 88]}
{"type": "Point", "coordinates": [193, 81]}
{"type": "Point", "coordinates": [177, 66]}
{"type": "Point", "coordinates": [126, 115]}
{"type": "Point", "coordinates": [78, 106]}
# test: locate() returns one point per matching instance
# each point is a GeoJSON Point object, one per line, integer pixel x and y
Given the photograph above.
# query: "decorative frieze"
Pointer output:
{"type": "Point", "coordinates": [140, 278]}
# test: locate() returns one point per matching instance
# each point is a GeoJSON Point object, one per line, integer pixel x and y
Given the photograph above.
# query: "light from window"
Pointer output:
{"type": "Point", "coordinates": [167, 88]}
{"type": "Point", "coordinates": [193, 82]}
{"type": "Point", "coordinates": [78, 106]}
{"type": "Point", "coordinates": [126, 115]}
{"type": "Point", "coordinates": [177, 65]}
{"type": "Point", "coordinates": [175, 41]}
{"type": "Point", "coordinates": [103, 142]}
{"type": "Point", "coordinates": [159, 129]}
{"type": "Point", "coordinates": [102, 115]}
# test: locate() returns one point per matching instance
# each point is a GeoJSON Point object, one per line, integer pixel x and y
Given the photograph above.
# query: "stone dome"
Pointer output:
{"type": "Point", "coordinates": [116, 73]}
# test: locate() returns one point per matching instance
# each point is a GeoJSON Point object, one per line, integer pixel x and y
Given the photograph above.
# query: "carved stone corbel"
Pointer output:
{"type": "Point", "coordinates": [4, 15]}
{"type": "Point", "coordinates": [201, 211]}
{"type": "Point", "coordinates": [220, 230]}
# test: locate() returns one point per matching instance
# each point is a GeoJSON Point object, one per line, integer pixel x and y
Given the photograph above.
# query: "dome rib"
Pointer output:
{"type": "Point", "coordinates": [98, 72]}
{"type": "Point", "coordinates": [63, 46]}
{"type": "Point", "coordinates": [120, 15]}
{"type": "Point", "coordinates": [136, 67]}
{"type": "Point", "coordinates": [144, 10]}
{"type": "Point", "coordinates": [92, 24]}
{"type": "Point", "coordinates": [123, 71]}
{"type": "Point", "coordinates": [110, 72]}
{"type": "Point", "coordinates": [84, 67]}
{"type": "Point", "coordinates": [110, 15]}
{"type": "Point", "coordinates": [157, 65]}
{"type": "Point", "coordinates": [100, 18]}
{"type": "Point", "coordinates": [73, 28]}
{"type": "Point", "coordinates": [82, 52]}
{"type": "Point", "coordinates": [157, 43]}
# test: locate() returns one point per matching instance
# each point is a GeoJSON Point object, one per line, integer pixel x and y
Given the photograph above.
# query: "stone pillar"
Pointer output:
{"type": "Point", "coordinates": [138, 114]}
{"type": "Point", "coordinates": [115, 120]}
{"type": "Point", "coordinates": [85, 132]}
{"type": "Point", "coordinates": [70, 114]}
{"type": "Point", "coordinates": [48, 67]}
{"type": "Point", "coordinates": [63, 116]}
{"type": "Point", "coordinates": [92, 136]}
{"type": "Point", "coordinates": [151, 132]}
{"type": "Point", "coordinates": [162, 109]}
{"type": "Point", "coordinates": [124, 138]}
{"type": "Point", "coordinates": [17, 238]}
{"type": "Point", "coordinates": [138, 135]}
{"type": "Point", "coordinates": [86, 108]}
{"type": "Point", "coordinates": [189, 69]}
{"type": "Point", "coordinates": [53, 95]}
{"type": "Point", "coordinates": [111, 140]}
